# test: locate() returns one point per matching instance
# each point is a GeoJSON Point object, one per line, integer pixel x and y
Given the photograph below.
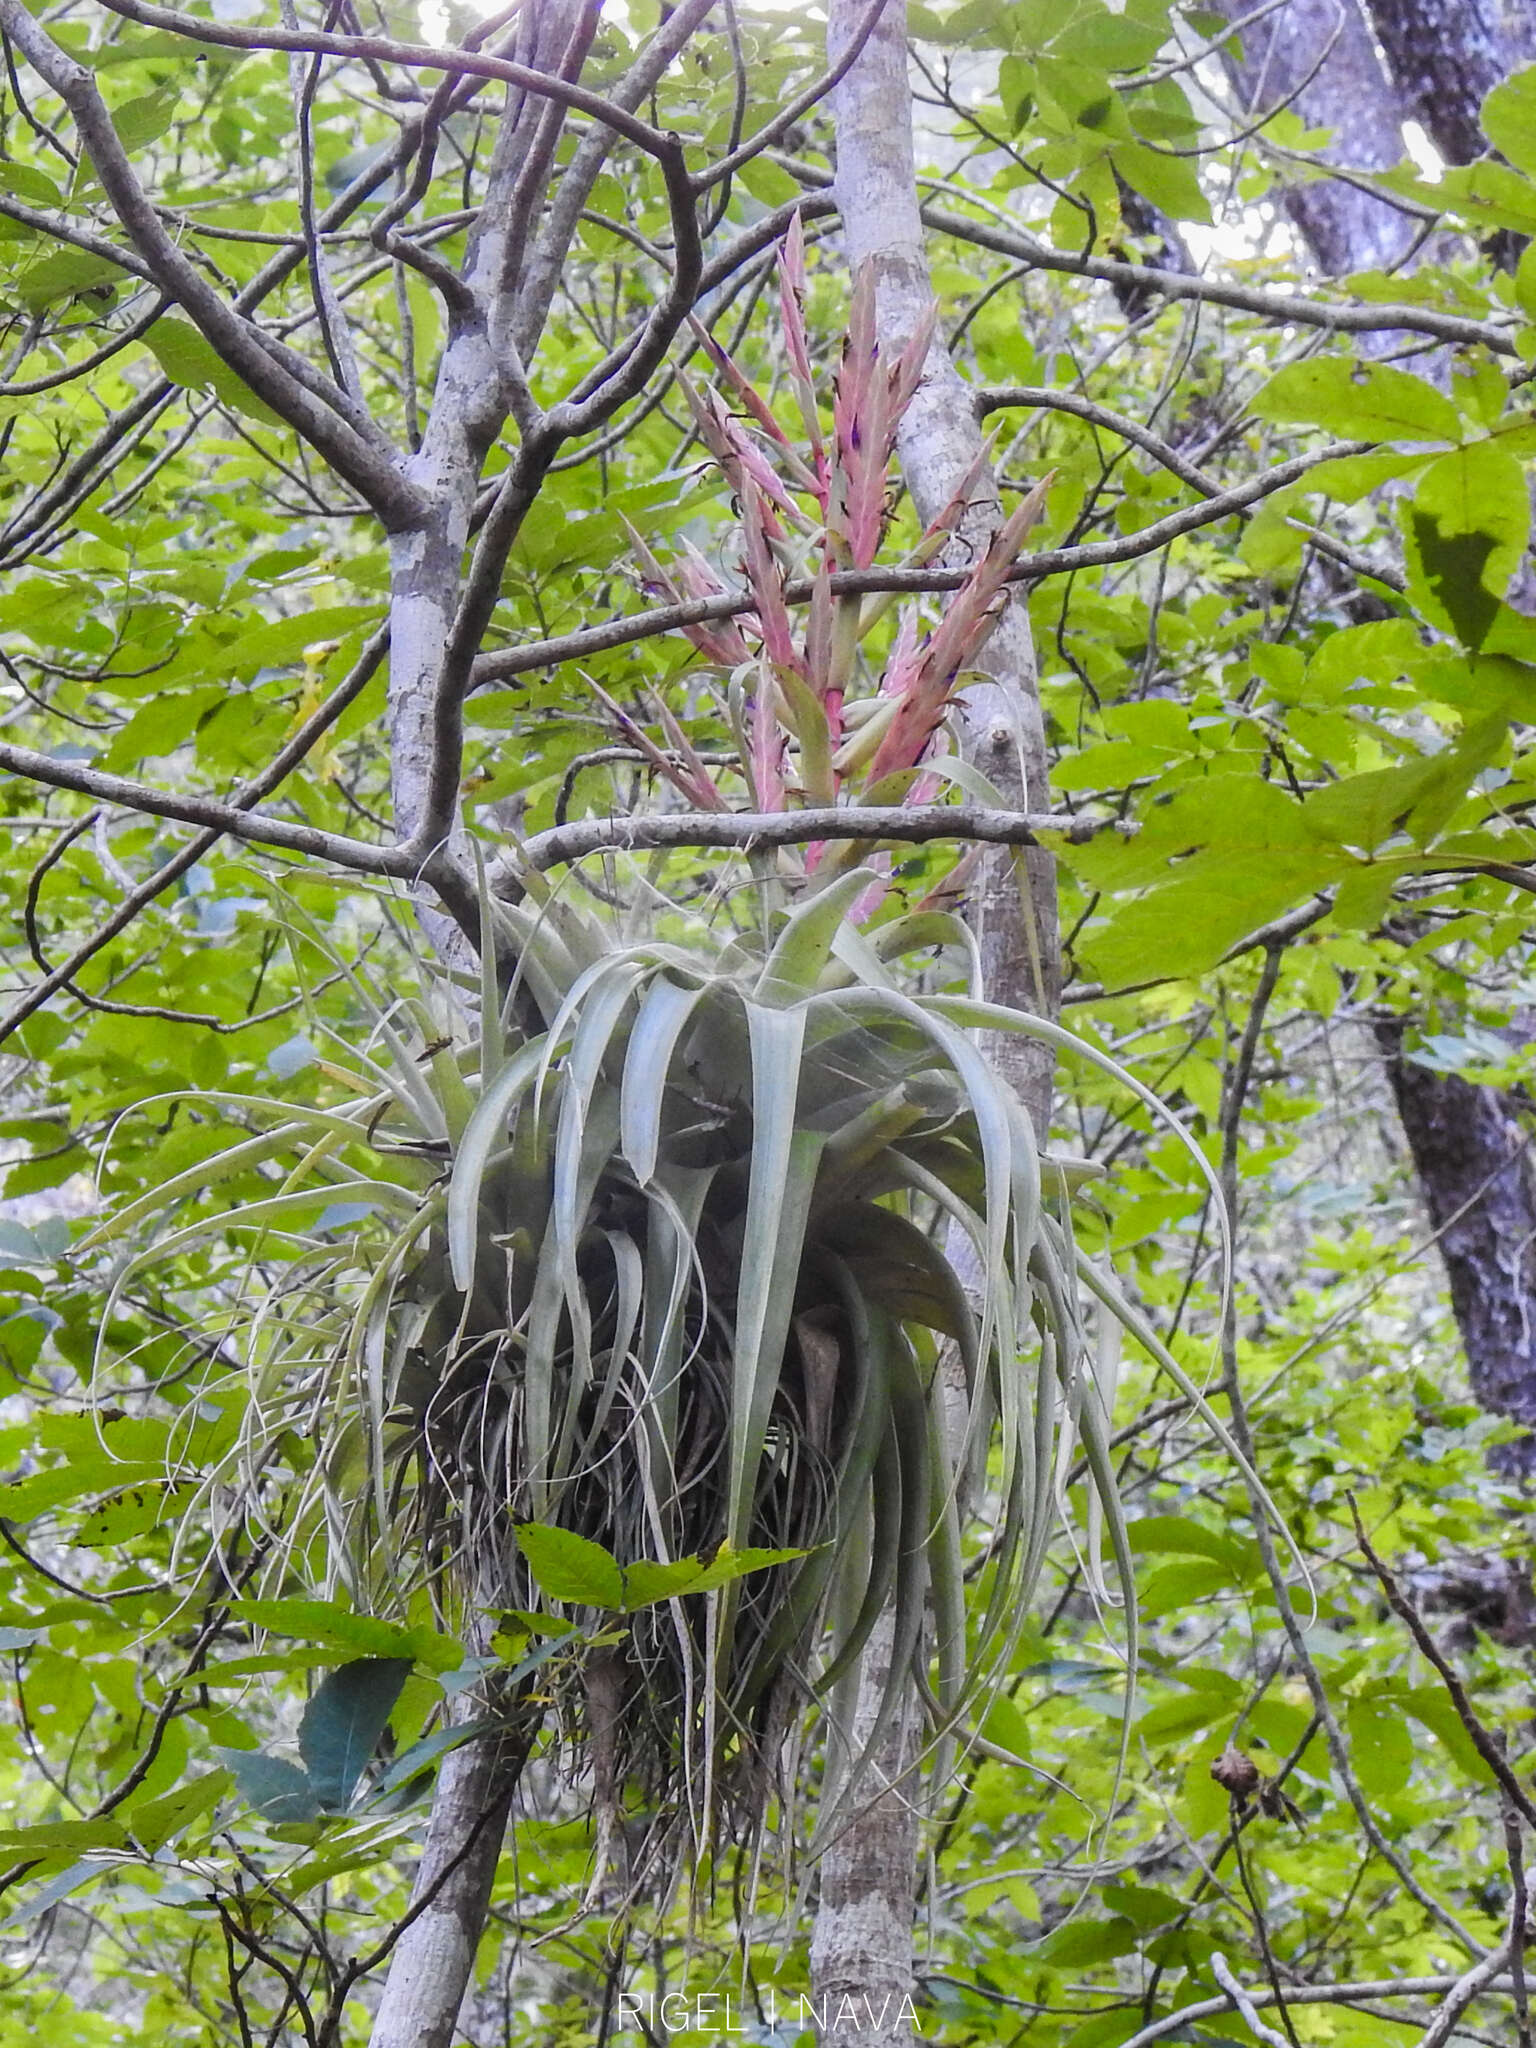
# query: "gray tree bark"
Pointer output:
{"type": "Point", "coordinates": [861, 1949]}
{"type": "Point", "coordinates": [1446, 56]}
{"type": "Point", "coordinates": [1318, 57]}
{"type": "Point", "coordinates": [1471, 1151]}
{"type": "Point", "coordinates": [434, 1959]}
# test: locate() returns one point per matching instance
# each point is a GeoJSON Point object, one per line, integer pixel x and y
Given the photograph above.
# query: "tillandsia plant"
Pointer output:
{"type": "Point", "coordinates": [619, 1313]}
{"type": "Point", "coordinates": [815, 718]}
{"type": "Point", "coordinates": [670, 1304]}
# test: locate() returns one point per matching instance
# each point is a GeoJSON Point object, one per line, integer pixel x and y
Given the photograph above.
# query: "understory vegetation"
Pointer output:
{"type": "Point", "coordinates": [765, 1022]}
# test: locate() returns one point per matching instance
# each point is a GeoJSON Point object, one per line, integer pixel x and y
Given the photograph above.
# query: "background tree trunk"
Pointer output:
{"type": "Point", "coordinates": [1470, 1149]}
{"type": "Point", "coordinates": [1446, 56]}
{"type": "Point", "coordinates": [1467, 1143]}
{"type": "Point", "coordinates": [1318, 58]}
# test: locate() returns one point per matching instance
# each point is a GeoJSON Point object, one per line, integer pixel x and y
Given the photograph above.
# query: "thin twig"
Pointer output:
{"type": "Point", "coordinates": [1245, 2005]}
{"type": "Point", "coordinates": [1483, 1740]}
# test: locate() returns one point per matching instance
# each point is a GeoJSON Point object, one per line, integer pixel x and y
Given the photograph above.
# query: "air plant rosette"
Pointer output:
{"type": "Point", "coordinates": [668, 1304]}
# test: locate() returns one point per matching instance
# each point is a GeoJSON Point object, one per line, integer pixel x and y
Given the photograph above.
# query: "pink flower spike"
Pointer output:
{"type": "Point", "coordinates": [709, 793]}
{"type": "Point", "coordinates": [720, 639]}
{"type": "Point", "coordinates": [946, 521]}
{"type": "Point", "coordinates": [908, 373]}
{"type": "Point", "coordinates": [737, 378]}
{"type": "Point", "coordinates": [654, 578]}
{"type": "Point", "coordinates": [872, 898]}
{"type": "Point", "coordinates": [792, 255]}
{"type": "Point", "coordinates": [766, 580]}
{"type": "Point", "coordinates": [902, 668]}
{"type": "Point", "coordinates": [703, 798]}
{"type": "Point", "coordinates": [768, 743]}
{"type": "Point", "coordinates": [818, 634]}
{"type": "Point", "coordinates": [792, 319]}
{"type": "Point", "coordinates": [751, 460]}
{"type": "Point", "coordinates": [955, 642]}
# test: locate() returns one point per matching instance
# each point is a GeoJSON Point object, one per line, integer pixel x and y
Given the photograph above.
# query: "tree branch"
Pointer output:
{"type": "Point", "coordinates": [502, 664]}
{"type": "Point", "coordinates": [1047, 399]}
{"type": "Point", "coordinates": [800, 106]}
{"type": "Point", "coordinates": [341, 432]}
{"type": "Point", "coordinates": [250, 793]}
{"type": "Point", "coordinates": [1482, 1740]}
{"type": "Point", "coordinates": [750, 830]}
{"type": "Point", "coordinates": [1282, 308]}
{"type": "Point", "coordinates": [450, 57]}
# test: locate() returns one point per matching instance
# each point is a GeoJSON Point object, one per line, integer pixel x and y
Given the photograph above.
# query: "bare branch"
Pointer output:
{"type": "Point", "coordinates": [1302, 1994]}
{"type": "Point", "coordinates": [1047, 399]}
{"type": "Point", "coordinates": [1481, 1737]}
{"type": "Point", "coordinates": [1221, 1971]}
{"type": "Point", "coordinates": [800, 106]}
{"type": "Point", "coordinates": [250, 793]}
{"type": "Point", "coordinates": [75, 237]}
{"type": "Point", "coordinates": [339, 430]}
{"type": "Point", "coordinates": [750, 830]}
{"type": "Point", "coordinates": [1282, 308]}
{"type": "Point", "coordinates": [211, 812]}
{"type": "Point", "coordinates": [453, 58]}
{"type": "Point", "coordinates": [542, 274]}
{"type": "Point", "coordinates": [1476, 1981]}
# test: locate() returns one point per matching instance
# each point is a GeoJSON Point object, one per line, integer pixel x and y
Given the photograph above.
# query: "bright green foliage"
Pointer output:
{"type": "Point", "coordinates": [1319, 706]}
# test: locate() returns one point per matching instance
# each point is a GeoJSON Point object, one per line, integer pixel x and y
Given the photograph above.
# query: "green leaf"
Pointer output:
{"type": "Point", "coordinates": [154, 1822]}
{"type": "Point", "coordinates": [66, 273]}
{"type": "Point", "coordinates": [1365, 811]}
{"type": "Point", "coordinates": [63, 1834]}
{"type": "Point", "coordinates": [1177, 1586]}
{"type": "Point", "coordinates": [1465, 531]}
{"type": "Point", "coordinates": [1082, 1942]}
{"type": "Point", "coordinates": [142, 121]}
{"type": "Point", "coordinates": [648, 1582]}
{"type": "Point", "coordinates": [277, 1789]}
{"type": "Point", "coordinates": [1381, 1745]}
{"type": "Point", "coordinates": [1509, 119]}
{"type": "Point", "coordinates": [188, 358]}
{"type": "Point", "coordinates": [566, 1566]}
{"type": "Point", "coordinates": [1429, 1706]}
{"type": "Point", "coordinates": [1154, 1534]}
{"type": "Point", "coordinates": [1362, 401]}
{"type": "Point", "coordinates": [1172, 183]}
{"type": "Point", "coordinates": [324, 1621]}
{"type": "Point", "coordinates": [1140, 1905]}
{"type": "Point", "coordinates": [342, 1724]}
{"type": "Point", "coordinates": [56, 1890]}
{"type": "Point", "coordinates": [412, 1763]}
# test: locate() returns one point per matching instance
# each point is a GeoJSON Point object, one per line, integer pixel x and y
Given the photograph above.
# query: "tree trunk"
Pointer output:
{"type": "Point", "coordinates": [1281, 62]}
{"type": "Point", "coordinates": [861, 1950]}
{"type": "Point", "coordinates": [1470, 1148]}
{"type": "Point", "coordinates": [1447, 56]}
{"type": "Point", "coordinates": [430, 1969]}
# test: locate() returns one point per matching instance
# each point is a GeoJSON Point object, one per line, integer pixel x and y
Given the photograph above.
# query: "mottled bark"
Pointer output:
{"type": "Point", "coordinates": [474, 393]}
{"type": "Point", "coordinates": [1446, 56]}
{"type": "Point", "coordinates": [861, 1946]}
{"type": "Point", "coordinates": [1471, 1150]}
{"type": "Point", "coordinates": [434, 1959]}
{"type": "Point", "coordinates": [1319, 58]}
{"type": "Point", "coordinates": [861, 1950]}
{"type": "Point", "coordinates": [1012, 901]}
